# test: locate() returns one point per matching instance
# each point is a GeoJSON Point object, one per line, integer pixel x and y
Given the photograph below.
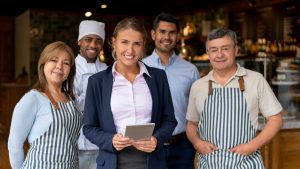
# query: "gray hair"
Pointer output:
{"type": "Point", "coordinates": [219, 33]}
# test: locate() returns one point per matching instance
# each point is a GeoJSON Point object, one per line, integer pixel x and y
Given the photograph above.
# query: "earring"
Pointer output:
{"type": "Point", "coordinates": [113, 54]}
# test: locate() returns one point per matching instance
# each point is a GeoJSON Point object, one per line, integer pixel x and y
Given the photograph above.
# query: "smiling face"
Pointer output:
{"type": "Point", "coordinates": [90, 47]}
{"type": "Point", "coordinates": [57, 69]}
{"type": "Point", "coordinates": [129, 47]}
{"type": "Point", "coordinates": [165, 37]}
{"type": "Point", "coordinates": [222, 52]}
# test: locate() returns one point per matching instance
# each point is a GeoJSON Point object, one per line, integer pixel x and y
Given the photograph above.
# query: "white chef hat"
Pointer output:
{"type": "Point", "coordinates": [88, 27]}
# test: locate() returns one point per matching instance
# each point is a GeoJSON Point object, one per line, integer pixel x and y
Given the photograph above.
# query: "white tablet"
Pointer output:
{"type": "Point", "coordinates": [139, 131]}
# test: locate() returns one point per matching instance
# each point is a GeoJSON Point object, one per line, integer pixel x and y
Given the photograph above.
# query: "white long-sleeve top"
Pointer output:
{"type": "Point", "coordinates": [83, 71]}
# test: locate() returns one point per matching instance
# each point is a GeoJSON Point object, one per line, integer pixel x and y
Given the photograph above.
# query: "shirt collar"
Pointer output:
{"type": "Point", "coordinates": [80, 59]}
{"type": "Point", "coordinates": [241, 71]}
{"type": "Point", "coordinates": [83, 60]}
{"type": "Point", "coordinates": [84, 66]}
{"type": "Point", "coordinates": [158, 61]}
{"type": "Point", "coordinates": [142, 66]}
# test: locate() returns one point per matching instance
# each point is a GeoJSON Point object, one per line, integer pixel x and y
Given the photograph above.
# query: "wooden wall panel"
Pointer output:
{"type": "Point", "coordinates": [11, 94]}
{"type": "Point", "coordinates": [283, 152]}
{"type": "Point", "coordinates": [6, 48]}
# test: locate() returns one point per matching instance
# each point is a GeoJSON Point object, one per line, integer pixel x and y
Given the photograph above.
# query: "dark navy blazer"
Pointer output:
{"type": "Point", "coordinates": [99, 125]}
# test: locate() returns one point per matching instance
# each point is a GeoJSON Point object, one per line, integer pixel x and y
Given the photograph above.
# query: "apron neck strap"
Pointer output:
{"type": "Point", "coordinates": [241, 84]}
{"type": "Point", "coordinates": [53, 102]}
{"type": "Point", "coordinates": [209, 87]}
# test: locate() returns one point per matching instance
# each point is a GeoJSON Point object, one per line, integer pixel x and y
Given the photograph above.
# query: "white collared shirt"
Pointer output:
{"type": "Point", "coordinates": [131, 103]}
{"type": "Point", "coordinates": [83, 71]}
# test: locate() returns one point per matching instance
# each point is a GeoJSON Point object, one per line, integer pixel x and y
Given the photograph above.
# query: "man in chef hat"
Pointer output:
{"type": "Point", "coordinates": [90, 40]}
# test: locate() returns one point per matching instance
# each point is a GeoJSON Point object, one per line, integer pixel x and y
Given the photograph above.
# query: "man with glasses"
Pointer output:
{"type": "Point", "coordinates": [223, 109]}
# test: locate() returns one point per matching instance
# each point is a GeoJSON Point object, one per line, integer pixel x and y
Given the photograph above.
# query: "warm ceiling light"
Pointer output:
{"type": "Point", "coordinates": [103, 6]}
{"type": "Point", "coordinates": [88, 14]}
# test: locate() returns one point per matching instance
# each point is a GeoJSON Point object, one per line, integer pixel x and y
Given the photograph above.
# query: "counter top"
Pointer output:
{"type": "Point", "coordinates": [291, 124]}
{"type": "Point", "coordinates": [287, 124]}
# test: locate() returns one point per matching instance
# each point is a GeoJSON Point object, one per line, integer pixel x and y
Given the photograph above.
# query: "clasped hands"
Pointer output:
{"type": "Point", "coordinates": [120, 142]}
{"type": "Point", "coordinates": [205, 147]}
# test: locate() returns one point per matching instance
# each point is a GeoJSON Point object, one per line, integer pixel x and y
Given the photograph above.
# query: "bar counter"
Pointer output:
{"type": "Point", "coordinates": [287, 124]}
{"type": "Point", "coordinates": [283, 151]}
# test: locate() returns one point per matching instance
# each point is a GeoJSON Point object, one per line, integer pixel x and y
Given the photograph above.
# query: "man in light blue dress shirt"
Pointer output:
{"type": "Point", "coordinates": [181, 74]}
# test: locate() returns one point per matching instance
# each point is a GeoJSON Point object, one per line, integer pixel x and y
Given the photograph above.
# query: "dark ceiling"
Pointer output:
{"type": "Point", "coordinates": [137, 7]}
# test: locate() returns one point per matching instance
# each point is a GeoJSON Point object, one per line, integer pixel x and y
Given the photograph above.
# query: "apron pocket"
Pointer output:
{"type": "Point", "coordinates": [221, 159]}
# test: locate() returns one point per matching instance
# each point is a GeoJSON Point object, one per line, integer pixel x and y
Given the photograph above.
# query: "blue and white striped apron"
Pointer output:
{"type": "Point", "coordinates": [57, 147]}
{"type": "Point", "coordinates": [225, 122]}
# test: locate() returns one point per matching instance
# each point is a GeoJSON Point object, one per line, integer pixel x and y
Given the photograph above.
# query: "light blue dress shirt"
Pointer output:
{"type": "Point", "coordinates": [181, 74]}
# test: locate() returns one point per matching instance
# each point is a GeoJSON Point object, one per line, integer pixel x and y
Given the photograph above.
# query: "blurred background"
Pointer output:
{"type": "Point", "coordinates": [268, 34]}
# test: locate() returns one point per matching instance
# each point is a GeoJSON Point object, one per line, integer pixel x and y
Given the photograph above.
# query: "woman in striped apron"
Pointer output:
{"type": "Point", "coordinates": [47, 116]}
{"type": "Point", "coordinates": [223, 110]}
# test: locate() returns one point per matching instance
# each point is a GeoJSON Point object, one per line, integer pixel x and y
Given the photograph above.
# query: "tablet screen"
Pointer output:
{"type": "Point", "coordinates": [139, 131]}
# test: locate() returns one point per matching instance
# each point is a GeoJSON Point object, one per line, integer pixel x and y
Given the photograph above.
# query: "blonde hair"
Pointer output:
{"type": "Point", "coordinates": [49, 52]}
{"type": "Point", "coordinates": [130, 23]}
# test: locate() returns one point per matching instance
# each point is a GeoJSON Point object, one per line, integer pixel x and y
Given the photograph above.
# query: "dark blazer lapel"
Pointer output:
{"type": "Point", "coordinates": [107, 84]}
{"type": "Point", "coordinates": [152, 86]}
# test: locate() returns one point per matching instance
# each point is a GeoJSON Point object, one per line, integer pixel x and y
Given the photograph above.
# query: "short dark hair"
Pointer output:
{"type": "Point", "coordinates": [167, 17]}
{"type": "Point", "coordinates": [221, 32]}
